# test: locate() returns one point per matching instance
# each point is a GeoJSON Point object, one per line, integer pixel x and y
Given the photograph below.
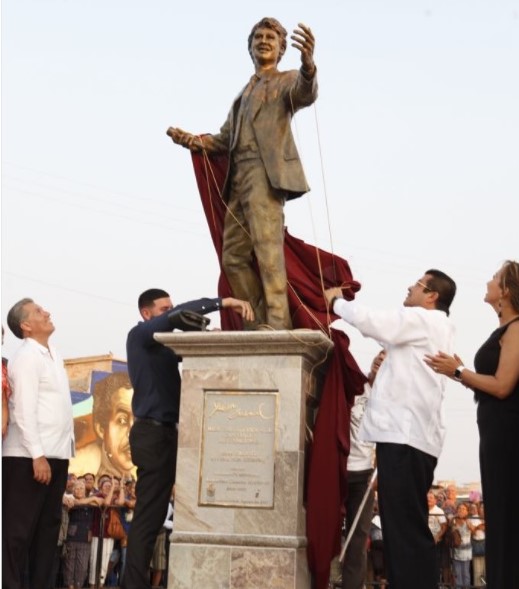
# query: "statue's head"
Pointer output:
{"type": "Point", "coordinates": [274, 25]}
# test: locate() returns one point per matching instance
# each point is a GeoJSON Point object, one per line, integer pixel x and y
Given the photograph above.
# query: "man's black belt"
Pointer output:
{"type": "Point", "coordinates": [154, 422]}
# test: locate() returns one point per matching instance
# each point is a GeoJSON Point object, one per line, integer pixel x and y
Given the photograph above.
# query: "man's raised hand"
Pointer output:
{"type": "Point", "coordinates": [244, 308]}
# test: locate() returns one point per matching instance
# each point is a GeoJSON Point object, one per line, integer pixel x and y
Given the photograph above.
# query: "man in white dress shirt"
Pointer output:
{"type": "Point", "coordinates": [404, 417]}
{"type": "Point", "coordinates": [36, 450]}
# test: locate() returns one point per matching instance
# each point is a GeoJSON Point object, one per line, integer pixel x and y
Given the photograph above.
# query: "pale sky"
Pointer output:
{"type": "Point", "coordinates": [412, 153]}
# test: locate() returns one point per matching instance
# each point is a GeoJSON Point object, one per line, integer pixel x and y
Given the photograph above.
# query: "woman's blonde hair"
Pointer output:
{"type": "Point", "coordinates": [510, 279]}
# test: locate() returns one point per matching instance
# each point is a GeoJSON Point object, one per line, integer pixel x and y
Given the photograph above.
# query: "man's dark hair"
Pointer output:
{"type": "Point", "coordinates": [103, 391]}
{"type": "Point", "coordinates": [148, 297]}
{"type": "Point", "coordinates": [274, 25]}
{"type": "Point", "coordinates": [444, 285]}
{"type": "Point", "coordinates": [16, 315]}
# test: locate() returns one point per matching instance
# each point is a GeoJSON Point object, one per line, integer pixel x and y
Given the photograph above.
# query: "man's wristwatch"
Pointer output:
{"type": "Point", "coordinates": [458, 371]}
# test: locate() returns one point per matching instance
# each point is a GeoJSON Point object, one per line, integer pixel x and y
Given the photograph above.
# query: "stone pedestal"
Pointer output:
{"type": "Point", "coordinates": [239, 518]}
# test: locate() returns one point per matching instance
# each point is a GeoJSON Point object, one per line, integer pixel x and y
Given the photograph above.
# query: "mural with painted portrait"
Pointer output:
{"type": "Point", "coordinates": [102, 437]}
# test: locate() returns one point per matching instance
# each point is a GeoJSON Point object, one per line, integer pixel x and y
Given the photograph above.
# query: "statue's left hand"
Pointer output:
{"type": "Point", "coordinates": [185, 139]}
{"type": "Point", "coordinates": [304, 41]}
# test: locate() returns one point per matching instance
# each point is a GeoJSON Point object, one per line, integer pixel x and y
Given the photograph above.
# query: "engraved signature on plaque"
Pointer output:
{"type": "Point", "coordinates": [238, 446]}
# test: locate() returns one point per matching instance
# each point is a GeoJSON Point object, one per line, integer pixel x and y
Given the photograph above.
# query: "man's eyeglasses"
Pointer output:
{"type": "Point", "coordinates": [424, 286]}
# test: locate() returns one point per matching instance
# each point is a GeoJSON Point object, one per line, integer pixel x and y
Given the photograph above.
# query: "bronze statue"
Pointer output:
{"type": "Point", "coordinates": [264, 169]}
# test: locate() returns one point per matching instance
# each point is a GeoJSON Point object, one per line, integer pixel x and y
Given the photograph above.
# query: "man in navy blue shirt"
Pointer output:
{"type": "Point", "coordinates": [155, 377]}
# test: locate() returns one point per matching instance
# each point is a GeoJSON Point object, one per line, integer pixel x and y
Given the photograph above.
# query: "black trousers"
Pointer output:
{"type": "Point", "coordinates": [499, 460]}
{"type": "Point", "coordinates": [154, 452]}
{"type": "Point", "coordinates": [31, 518]}
{"type": "Point", "coordinates": [405, 475]}
{"type": "Point", "coordinates": [356, 558]}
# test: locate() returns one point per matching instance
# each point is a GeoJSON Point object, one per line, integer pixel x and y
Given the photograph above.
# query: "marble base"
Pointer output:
{"type": "Point", "coordinates": [234, 546]}
{"type": "Point", "coordinates": [239, 567]}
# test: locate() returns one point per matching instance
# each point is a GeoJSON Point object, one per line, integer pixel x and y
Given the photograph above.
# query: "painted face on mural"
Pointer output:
{"type": "Point", "coordinates": [115, 435]}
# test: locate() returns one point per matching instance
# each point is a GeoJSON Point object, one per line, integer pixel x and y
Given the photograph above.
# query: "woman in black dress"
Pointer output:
{"type": "Point", "coordinates": [496, 386]}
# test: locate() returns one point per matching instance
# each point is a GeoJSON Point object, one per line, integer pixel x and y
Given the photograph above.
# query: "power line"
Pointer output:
{"type": "Point", "coordinates": [68, 289]}
{"type": "Point", "coordinates": [139, 220]}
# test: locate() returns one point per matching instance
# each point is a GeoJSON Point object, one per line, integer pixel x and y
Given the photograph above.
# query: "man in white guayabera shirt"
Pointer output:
{"type": "Point", "coordinates": [404, 417]}
{"type": "Point", "coordinates": [35, 453]}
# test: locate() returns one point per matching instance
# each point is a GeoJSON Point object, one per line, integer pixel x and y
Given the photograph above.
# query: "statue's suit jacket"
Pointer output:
{"type": "Point", "coordinates": [274, 99]}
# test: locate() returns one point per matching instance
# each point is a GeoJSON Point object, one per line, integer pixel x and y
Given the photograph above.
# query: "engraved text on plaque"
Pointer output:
{"type": "Point", "coordinates": [237, 462]}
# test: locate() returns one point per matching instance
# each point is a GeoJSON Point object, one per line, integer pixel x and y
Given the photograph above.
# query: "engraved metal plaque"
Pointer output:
{"type": "Point", "coordinates": [238, 446]}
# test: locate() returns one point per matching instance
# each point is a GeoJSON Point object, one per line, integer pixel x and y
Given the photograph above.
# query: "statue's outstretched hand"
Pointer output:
{"type": "Point", "coordinates": [185, 139]}
{"type": "Point", "coordinates": [304, 41]}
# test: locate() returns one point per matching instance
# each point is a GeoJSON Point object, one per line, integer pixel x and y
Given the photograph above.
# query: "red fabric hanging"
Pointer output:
{"type": "Point", "coordinates": [327, 456]}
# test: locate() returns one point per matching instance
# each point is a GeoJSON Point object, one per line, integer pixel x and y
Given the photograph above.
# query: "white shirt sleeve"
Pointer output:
{"type": "Point", "coordinates": [400, 326]}
{"type": "Point", "coordinates": [41, 417]}
{"type": "Point", "coordinates": [24, 378]}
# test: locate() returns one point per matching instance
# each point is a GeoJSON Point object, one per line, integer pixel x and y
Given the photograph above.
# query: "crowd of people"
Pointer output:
{"type": "Point", "coordinates": [457, 525]}
{"type": "Point", "coordinates": [458, 529]}
{"type": "Point", "coordinates": [92, 543]}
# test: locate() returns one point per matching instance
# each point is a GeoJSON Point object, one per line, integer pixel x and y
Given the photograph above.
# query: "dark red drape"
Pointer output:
{"type": "Point", "coordinates": [309, 269]}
